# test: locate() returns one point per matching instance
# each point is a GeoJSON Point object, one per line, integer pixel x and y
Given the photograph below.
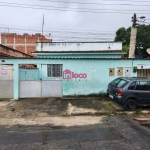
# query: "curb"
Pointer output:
{"type": "Point", "coordinates": [94, 113]}
{"type": "Point", "coordinates": [108, 113]}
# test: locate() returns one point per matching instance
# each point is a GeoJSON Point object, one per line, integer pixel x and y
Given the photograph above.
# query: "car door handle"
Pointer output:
{"type": "Point", "coordinates": [136, 93]}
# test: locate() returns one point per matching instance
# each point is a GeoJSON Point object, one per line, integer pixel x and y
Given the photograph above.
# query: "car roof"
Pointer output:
{"type": "Point", "coordinates": [135, 78]}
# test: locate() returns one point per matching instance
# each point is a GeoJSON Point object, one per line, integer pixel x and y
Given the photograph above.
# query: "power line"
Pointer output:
{"type": "Point", "coordinates": [125, 1]}
{"type": "Point", "coordinates": [14, 27]}
{"type": "Point", "coordinates": [70, 9]}
{"type": "Point", "coordinates": [146, 22]}
{"type": "Point", "coordinates": [75, 36]}
{"type": "Point", "coordinates": [54, 29]}
{"type": "Point", "coordinates": [64, 32]}
{"type": "Point", "coordinates": [94, 3]}
{"type": "Point", "coordinates": [64, 35]}
{"type": "Point", "coordinates": [67, 39]}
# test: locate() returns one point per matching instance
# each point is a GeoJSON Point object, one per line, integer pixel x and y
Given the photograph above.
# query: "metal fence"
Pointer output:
{"type": "Point", "coordinates": [143, 73]}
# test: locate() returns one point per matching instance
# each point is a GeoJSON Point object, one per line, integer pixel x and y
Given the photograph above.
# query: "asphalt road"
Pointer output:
{"type": "Point", "coordinates": [115, 133]}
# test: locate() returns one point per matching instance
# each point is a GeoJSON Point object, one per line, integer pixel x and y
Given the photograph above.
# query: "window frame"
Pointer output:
{"type": "Point", "coordinates": [135, 83]}
{"type": "Point", "coordinates": [142, 85]}
{"type": "Point", "coordinates": [116, 82]}
{"type": "Point", "coordinates": [51, 75]}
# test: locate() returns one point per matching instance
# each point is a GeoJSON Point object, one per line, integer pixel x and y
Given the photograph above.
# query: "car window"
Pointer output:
{"type": "Point", "coordinates": [118, 82]}
{"type": "Point", "coordinates": [143, 85]}
{"type": "Point", "coordinates": [132, 85]}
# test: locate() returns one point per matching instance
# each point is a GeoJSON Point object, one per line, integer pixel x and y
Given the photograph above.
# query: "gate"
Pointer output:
{"type": "Point", "coordinates": [143, 71]}
{"type": "Point", "coordinates": [31, 85]}
{"type": "Point", "coordinates": [6, 81]}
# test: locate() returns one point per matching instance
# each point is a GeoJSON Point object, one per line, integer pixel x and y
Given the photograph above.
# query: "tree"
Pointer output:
{"type": "Point", "coordinates": [142, 39]}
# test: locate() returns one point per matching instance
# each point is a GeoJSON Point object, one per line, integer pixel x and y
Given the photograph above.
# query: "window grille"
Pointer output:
{"type": "Point", "coordinates": [54, 70]}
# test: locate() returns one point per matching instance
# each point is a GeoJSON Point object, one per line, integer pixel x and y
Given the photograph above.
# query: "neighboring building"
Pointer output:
{"type": "Point", "coordinates": [80, 49]}
{"type": "Point", "coordinates": [24, 43]}
{"type": "Point", "coordinates": [6, 52]}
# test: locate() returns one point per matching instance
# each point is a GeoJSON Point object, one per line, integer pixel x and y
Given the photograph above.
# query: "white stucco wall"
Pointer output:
{"type": "Point", "coordinates": [58, 46]}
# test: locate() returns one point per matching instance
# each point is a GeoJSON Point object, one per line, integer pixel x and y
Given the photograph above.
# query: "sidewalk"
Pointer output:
{"type": "Point", "coordinates": [38, 111]}
{"type": "Point", "coordinates": [57, 106]}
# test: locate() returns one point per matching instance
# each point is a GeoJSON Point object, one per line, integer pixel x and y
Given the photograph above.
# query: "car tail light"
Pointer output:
{"type": "Point", "coordinates": [120, 92]}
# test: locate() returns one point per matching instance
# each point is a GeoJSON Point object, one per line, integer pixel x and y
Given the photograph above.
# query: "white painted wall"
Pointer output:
{"type": "Point", "coordinates": [79, 46]}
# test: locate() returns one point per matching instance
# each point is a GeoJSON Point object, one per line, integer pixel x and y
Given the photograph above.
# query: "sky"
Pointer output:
{"type": "Point", "coordinates": [71, 20]}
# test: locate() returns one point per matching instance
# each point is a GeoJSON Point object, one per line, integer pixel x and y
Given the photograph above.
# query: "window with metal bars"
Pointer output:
{"type": "Point", "coordinates": [54, 70]}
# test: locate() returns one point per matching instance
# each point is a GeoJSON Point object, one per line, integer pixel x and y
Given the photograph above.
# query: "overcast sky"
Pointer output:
{"type": "Point", "coordinates": [71, 20]}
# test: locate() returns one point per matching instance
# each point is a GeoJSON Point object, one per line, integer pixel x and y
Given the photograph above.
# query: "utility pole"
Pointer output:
{"type": "Point", "coordinates": [134, 20]}
{"type": "Point", "coordinates": [133, 37]}
{"type": "Point", "coordinates": [42, 34]}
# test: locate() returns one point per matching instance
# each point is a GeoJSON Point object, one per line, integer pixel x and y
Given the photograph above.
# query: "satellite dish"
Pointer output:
{"type": "Point", "coordinates": [148, 50]}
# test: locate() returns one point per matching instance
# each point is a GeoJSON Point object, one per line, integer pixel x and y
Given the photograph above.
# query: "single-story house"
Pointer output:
{"type": "Point", "coordinates": [69, 69]}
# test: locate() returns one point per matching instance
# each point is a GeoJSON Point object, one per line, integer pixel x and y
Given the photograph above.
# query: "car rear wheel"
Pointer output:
{"type": "Point", "coordinates": [130, 105]}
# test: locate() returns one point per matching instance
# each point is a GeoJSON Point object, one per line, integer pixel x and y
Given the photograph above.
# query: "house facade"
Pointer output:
{"type": "Point", "coordinates": [70, 73]}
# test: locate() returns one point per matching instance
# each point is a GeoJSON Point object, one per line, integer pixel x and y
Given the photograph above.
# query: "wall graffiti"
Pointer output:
{"type": "Point", "coordinates": [3, 72]}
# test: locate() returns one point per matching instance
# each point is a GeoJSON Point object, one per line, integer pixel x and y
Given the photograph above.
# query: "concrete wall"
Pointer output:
{"type": "Point", "coordinates": [97, 72]}
{"type": "Point", "coordinates": [79, 46]}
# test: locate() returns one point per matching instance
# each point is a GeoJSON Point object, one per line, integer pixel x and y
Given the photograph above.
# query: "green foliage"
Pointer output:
{"type": "Point", "coordinates": [125, 48]}
{"type": "Point", "coordinates": [120, 34]}
{"type": "Point", "coordinates": [138, 111]}
{"type": "Point", "coordinates": [65, 115]}
{"type": "Point", "coordinates": [135, 69]}
{"type": "Point", "coordinates": [142, 39]}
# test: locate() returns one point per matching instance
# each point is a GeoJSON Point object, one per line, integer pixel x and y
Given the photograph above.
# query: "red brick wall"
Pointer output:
{"type": "Point", "coordinates": [9, 38]}
{"type": "Point", "coordinates": [30, 49]}
{"type": "Point", "coordinates": [6, 51]}
{"type": "Point", "coordinates": [20, 48]}
{"type": "Point", "coordinates": [19, 39]}
{"type": "Point", "coordinates": [25, 43]}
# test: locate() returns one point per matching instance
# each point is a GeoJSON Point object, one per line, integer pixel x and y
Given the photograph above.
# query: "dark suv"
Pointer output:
{"type": "Point", "coordinates": [130, 92]}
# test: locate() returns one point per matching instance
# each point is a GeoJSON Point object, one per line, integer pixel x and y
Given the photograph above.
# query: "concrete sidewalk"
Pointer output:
{"type": "Point", "coordinates": [58, 107]}
{"type": "Point", "coordinates": [57, 111]}
{"type": "Point", "coordinates": [36, 107]}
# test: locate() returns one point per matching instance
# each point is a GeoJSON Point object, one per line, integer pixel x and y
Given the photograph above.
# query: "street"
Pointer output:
{"type": "Point", "coordinates": [111, 133]}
